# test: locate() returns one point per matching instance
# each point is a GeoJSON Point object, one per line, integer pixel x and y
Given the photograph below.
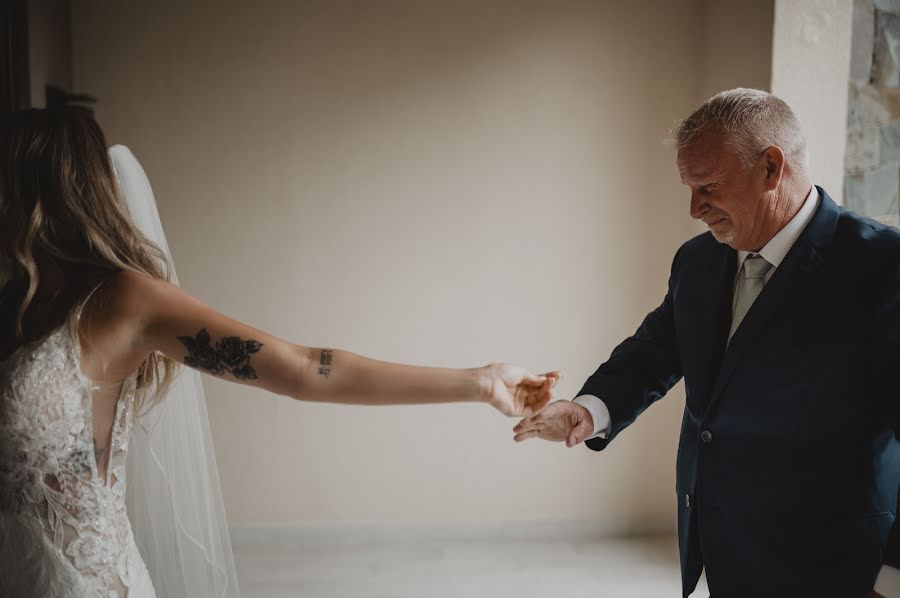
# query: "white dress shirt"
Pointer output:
{"type": "Point", "coordinates": [774, 252]}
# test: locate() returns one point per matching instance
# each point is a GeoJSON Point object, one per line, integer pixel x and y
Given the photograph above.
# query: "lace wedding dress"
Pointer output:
{"type": "Point", "coordinates": [64, 531]}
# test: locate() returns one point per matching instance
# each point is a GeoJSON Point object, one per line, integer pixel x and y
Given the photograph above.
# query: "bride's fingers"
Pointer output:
{"type": "Point", "coordinates": [541, 401]}
{"type": "Point", "coordinates": [553, 377]}
{"type": "Point", "coordinates": [533, 380]}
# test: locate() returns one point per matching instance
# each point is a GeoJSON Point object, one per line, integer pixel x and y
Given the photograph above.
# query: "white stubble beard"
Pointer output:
{"type": "Point", "coordinates": [725, 237]}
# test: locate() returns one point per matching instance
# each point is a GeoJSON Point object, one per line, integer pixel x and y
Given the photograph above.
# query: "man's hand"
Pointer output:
{"type": "Point", "coordinates": [516, 392]}
{"type": "Point", "coordinates": [560, 421]}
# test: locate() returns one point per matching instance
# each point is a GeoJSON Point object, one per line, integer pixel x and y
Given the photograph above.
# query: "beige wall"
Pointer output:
{"type": "Point", "coordinates": [735, 45]}
{"type": "Point", "coordinates": [810, 71]}
{"type": "Point", "coordinates": [432, 182]}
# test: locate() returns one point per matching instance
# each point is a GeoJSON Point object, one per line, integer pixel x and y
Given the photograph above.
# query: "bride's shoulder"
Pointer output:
{"type": "Point", "coordinates": [114, 321]}
{"type": "Point", "coordinates": [130, 293]}
{"type": "Point", "coordinates": [124, 302]}
{"type": "Point", "coordinates": [136, 303]}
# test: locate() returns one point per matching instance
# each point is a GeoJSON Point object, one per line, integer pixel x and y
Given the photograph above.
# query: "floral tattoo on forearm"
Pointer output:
{"type": "Point", "coordinates": [230, 354]}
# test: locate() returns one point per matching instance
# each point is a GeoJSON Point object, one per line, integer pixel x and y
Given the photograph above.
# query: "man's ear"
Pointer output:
{"type": "Point", "coordinates": [773, 159]}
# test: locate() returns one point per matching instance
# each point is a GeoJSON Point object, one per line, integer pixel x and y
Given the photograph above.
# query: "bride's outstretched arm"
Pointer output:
{"type": "Point", "coordinates": [185, 329]}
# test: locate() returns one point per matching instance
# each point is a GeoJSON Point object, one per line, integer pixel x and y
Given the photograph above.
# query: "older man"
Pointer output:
{"type": "Point", "coordinates": [784, 320]}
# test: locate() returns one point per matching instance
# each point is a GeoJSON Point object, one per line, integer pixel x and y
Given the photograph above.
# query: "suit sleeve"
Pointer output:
{"type": "Point", "coordinates": [885, 356]}
{"type": "Point", "coordinates": [641, 369]}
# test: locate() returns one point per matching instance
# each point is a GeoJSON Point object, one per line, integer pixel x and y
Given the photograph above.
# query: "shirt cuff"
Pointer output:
{"type": "Point", "coordinates": [888, 582]}
{"type": "Point", "coordinates": [599, 413]}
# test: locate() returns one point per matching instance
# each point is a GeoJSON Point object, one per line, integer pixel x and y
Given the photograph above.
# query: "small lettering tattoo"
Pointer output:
{"type": "Point", "coordinates": [231, 354]}
{"type": "Point", "coordinates": [325, 362]}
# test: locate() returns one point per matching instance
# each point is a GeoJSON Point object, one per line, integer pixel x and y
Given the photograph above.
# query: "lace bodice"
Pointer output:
{"type": "Point", "coordinates": [49, 474]}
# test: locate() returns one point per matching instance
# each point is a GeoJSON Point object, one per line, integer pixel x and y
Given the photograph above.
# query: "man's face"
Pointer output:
{"type": "Point", "coordinates": [732, 200]}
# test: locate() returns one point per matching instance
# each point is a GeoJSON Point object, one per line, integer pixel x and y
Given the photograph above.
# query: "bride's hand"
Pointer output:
{"type": "Point", "coordinates": [516, 392]}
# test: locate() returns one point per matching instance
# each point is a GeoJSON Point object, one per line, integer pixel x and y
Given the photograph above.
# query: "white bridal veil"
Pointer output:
{"type": "Point", "coordinates": [174, 498]}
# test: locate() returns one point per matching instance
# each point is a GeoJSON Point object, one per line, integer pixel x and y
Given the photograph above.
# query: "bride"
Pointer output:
{"type": "Point", "coordinates": [93, 338]}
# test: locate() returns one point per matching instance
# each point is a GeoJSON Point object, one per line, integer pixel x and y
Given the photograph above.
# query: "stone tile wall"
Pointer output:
{"type": "Point", "coordinates": [872, 165]}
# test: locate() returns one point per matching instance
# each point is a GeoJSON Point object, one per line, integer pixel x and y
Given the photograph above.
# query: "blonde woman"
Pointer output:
{"type": "Point", "coordinates": [93, 333]}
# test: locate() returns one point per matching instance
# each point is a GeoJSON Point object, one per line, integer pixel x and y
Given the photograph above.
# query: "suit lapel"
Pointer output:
{"type": "Point", "coordinates": [714, 311]}
{"type": "Point", "coordinates": [795, 272]}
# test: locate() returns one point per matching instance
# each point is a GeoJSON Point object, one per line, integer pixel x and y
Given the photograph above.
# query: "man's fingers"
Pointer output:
{"type": "Point", "coordinates": [531, 420]}
{"type": "Point", "coordinates": [524, 423]}
{"type": "Point", "coordinates": [525, 435]}
{"type": "Point", "coordinates": [532, 428]}
{"type": "Point", "coordinates": [578, 434]}
{"type": "Point", "coordinates": [573, 439]}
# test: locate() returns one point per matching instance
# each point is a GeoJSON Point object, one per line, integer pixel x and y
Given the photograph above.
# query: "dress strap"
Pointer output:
{"type": "Point", "coordinates": [84, 301]}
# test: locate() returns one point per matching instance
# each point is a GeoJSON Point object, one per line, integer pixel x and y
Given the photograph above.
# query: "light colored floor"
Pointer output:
{"type": "Point", "coordinates": [359, 563]}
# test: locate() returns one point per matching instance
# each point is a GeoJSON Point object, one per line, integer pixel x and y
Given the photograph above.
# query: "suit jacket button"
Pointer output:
{"type": "Point", "coordinates": [706, 436]}
{"type": "Point", "coordinates": [687, 500]}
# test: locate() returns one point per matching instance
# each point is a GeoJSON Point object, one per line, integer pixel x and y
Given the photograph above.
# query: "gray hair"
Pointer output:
{"type": "Point", "coordinates": [749, 121]}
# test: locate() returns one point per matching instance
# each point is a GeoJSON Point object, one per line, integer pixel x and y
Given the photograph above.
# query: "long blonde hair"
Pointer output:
{"type": "Point", "coordinates": [59, 200]}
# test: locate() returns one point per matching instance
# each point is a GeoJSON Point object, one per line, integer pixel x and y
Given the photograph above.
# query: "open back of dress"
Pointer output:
{"type": "Point", "coordinates": [64, 530]}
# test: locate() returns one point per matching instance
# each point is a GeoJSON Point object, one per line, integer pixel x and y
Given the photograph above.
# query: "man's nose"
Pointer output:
{"type": "Point", "coordinates": [698, 207]}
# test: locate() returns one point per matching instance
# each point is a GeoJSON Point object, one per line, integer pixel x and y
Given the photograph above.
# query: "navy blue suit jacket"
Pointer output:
{"type": "Point", "coordinates": [788, 464]}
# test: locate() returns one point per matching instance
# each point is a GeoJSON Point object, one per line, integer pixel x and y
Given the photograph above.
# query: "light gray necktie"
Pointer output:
{"type": "Point", "coordinates": [749, 286]}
